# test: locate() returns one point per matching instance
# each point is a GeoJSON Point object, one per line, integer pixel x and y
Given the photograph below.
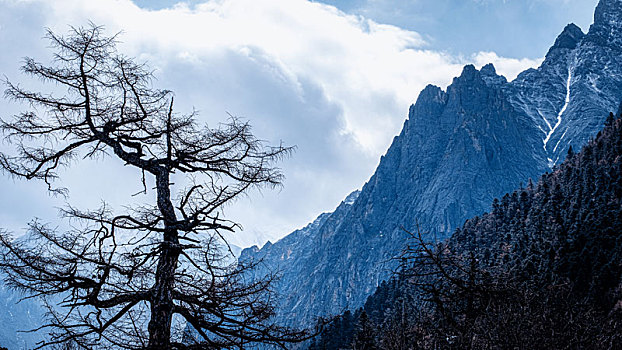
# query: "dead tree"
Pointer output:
{"type": "Point", "coordinates": [120, 280]}
{"type": "Point", "coordinates": [454, 290]}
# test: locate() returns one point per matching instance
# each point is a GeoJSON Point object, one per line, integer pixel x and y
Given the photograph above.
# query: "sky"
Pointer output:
{"type": "Point", "coordinates": [333, 78]}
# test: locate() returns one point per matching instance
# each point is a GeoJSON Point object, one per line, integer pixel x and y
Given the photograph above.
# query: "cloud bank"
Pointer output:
{"type": "Point", "coordinates": [337, 86]}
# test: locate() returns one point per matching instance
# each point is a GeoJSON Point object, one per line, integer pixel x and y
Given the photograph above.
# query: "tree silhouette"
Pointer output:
{"type": "Point", "coordinates": [119, 279]}
{"type": "Point", "coordinates": [364, 338]}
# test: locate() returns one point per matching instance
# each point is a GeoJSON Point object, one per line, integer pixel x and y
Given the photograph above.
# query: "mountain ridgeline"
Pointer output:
{"type": "Point", "coordinates": [541, 270]}
{"type": "Point", "coordinates": [458, 150]}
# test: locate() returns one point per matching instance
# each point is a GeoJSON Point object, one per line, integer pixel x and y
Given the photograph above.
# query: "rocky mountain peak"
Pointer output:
{"type": "Point", "coordinates": [568, 39]}
{"type": "Point", "coordinates": [427, 108]}
{"type": "Point", "coordinates": [490, 76]}
{"type": "Point", "coordinates": [469, 73]}
{"type": "Point", "coordinates": [430, 92]}
{"type": "Point", "coordinates": [430, 97]}
{"type": "Point", "coordinates": [473, 90]}
{"type": "Point", "coordinates": [467, 85]}
{"type": "Point", "coordinates": [471, 77]}
{"type": "Point", "coordinates": [608, 22]}
{"type": "Point", "coordinates": [488, 70]}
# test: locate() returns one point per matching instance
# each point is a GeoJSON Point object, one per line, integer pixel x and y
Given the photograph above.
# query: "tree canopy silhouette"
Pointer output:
{"type": "Point", "coordinates": [122, 279]}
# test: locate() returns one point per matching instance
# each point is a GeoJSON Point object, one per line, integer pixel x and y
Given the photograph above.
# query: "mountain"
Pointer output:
{"type": "Point", "coordinates": [18, 316]}
{"type": "Point", "coordinates": [541, 270]}
{"type": "Point", "coordinates": [459, 149]}
{"type": "Point", "coordinates": [579, 82]}
{"type": "Point", "coordinates": [298, 246]}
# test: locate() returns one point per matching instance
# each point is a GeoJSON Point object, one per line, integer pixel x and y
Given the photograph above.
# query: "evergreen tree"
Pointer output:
{"type": "Point", "coordinates": [364, 338]}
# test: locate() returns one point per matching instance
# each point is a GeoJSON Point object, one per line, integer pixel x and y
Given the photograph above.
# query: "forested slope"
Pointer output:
{"type": "Point", "coordinates": [541, 270]}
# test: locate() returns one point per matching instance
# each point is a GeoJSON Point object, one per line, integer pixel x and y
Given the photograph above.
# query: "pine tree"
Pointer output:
{"type": "Point", "coordinates": [364, 338]}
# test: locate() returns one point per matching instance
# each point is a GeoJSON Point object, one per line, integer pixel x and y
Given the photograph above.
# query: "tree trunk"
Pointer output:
{"type": "Point", "coordinates": [162, 291]}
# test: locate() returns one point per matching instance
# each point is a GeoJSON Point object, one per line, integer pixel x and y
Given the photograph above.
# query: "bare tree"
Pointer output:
{"type": "Point", "coordinates": [453, 289]}
{"type": "Point", "coordinates": [119, 279]}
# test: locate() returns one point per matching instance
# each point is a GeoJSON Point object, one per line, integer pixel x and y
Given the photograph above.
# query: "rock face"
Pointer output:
{"type": "Point", "coordinates": [459, 149]}
{"type": "Point", "coordinates": [578, 84]}
{"type": "Point", "coordinates": [294, 253]}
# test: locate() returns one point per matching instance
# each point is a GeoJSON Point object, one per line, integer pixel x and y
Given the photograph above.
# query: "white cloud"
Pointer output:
{"type": "Point", "coordinates": [337, 85]}
{"type": "Point", "coordinates": [352, 59]}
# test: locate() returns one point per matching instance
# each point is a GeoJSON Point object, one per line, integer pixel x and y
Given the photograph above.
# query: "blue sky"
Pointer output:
{"type": "Point", "coordinates": [335, 79]}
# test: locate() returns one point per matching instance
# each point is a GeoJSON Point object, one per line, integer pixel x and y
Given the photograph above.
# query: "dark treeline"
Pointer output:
{"type": "Point", "coordinates": [541, 270]}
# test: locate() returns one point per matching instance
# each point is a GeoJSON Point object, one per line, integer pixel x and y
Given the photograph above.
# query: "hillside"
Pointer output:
{"type": "Point", "coordinates": [541, 270]}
